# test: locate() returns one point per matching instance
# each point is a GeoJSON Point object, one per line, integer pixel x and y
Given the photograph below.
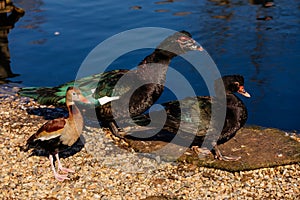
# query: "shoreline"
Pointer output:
{"type": "Point", "coordinates": [104, 171]}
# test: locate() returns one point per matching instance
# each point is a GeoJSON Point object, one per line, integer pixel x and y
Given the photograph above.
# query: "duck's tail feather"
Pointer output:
{"type": "Point", "coordinates": [45, 95]}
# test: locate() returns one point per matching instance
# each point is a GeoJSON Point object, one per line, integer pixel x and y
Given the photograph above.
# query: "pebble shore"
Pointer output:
{"type": "Point", "coordinates": [105, 171]}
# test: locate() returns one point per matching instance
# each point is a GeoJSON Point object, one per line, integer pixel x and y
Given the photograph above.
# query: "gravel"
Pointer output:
{"type": "Point", "coordinates": [105, 171]}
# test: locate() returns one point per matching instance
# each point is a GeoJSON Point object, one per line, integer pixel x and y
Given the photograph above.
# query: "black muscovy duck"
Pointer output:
{"type": "Point", "coordinates": [151, 70]}
{"type": "Point", "coordinates": [194, 114]}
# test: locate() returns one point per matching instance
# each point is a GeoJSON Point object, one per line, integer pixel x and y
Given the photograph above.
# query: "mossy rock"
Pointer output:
{"type": "Point", "coordinates": [258, 148]}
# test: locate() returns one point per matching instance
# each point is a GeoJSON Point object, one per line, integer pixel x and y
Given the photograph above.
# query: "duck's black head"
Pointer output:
{"type": "Point", "coordinates": [179, 43]}
{"type": "Point", "coordinates": [232, 84]}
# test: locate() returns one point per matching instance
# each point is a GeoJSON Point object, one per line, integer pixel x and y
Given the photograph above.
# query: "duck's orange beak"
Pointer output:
{"type": "Point", "coordinates": [243, 92]}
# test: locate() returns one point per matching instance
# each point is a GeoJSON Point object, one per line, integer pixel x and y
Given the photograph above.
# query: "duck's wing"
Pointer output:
{"type": "Point", "coordinates": [192, 115]}
{"type": "Point", "coordinates": [50, 130]}
{"type": "Point", "coordinates": [106, 84]}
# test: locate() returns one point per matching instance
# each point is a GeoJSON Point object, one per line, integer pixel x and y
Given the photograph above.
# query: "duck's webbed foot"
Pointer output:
{"type": "Point", "coordinates": [201, 152]}
{"type": "Point", "coordinates": [218, 155]}
{"type": "Point", "coordinates": [61, 177]}
{"type": "Point", "coordinates": [116, 131]}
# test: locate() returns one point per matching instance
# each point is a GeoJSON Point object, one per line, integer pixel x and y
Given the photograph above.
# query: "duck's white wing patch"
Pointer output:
{"type": "Point", "coordinates": [48, 137]}
{"type": "Point", "coordinates": [106, 99]}
{"type": "Point", "coordinates": [93, 90]}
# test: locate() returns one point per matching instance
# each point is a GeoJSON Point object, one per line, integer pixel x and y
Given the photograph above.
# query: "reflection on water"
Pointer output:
{"type": "Point", "coordinates": [264, 3]}
{"type": "Point", "coordinates": [7, 22]}
{"type": "Point", "coordinates": [136, 7]}
{"type": "Point", "coordinates": [34, 17]}
{"type": "Point", "coordinates": [182, 13]}
{"type": "Point", "coordinates": [164, 2]}
{"type": "Point", "coordinates": [162, 10]}
{"type": "Point", "coordinates": [160, 7]}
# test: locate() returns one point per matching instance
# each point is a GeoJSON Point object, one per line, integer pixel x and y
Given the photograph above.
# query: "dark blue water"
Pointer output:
{"type": "Point", "coordinates": [267, 53]}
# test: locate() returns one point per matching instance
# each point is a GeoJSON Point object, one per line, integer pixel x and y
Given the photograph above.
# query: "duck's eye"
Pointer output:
{"type": "Point", "coordinates": [74, 94]}
{"type": "Point", "coordinates": [237, 84]}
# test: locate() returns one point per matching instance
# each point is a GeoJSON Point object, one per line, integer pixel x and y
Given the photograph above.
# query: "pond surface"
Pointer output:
{"type": "Point", "coordinates": [48, 45]}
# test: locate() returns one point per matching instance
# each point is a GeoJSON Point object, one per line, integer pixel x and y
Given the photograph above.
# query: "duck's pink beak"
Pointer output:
{"type": "Point", "coordinates": [243, 92]}
{"type": "Point", "coordinates": [83, 99]}
{"type": "Point", "coordinates": [189, 43]}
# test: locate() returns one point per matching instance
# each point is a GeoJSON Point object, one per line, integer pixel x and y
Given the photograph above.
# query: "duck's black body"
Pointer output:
{"type": "Point", "coordinates": [184, 115]}
{"type": "Point", "coordinates": [152, 71]}
{"type": "Point", "coordinates": [236, 117]}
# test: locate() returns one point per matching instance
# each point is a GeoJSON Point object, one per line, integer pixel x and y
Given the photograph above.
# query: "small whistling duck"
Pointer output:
{"type": "Point", "coordinates": [101, 86]}
{"type": "Point", "coordinates": [59, 134]}
{"type": "Point", "coordinates": [236, 114]}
